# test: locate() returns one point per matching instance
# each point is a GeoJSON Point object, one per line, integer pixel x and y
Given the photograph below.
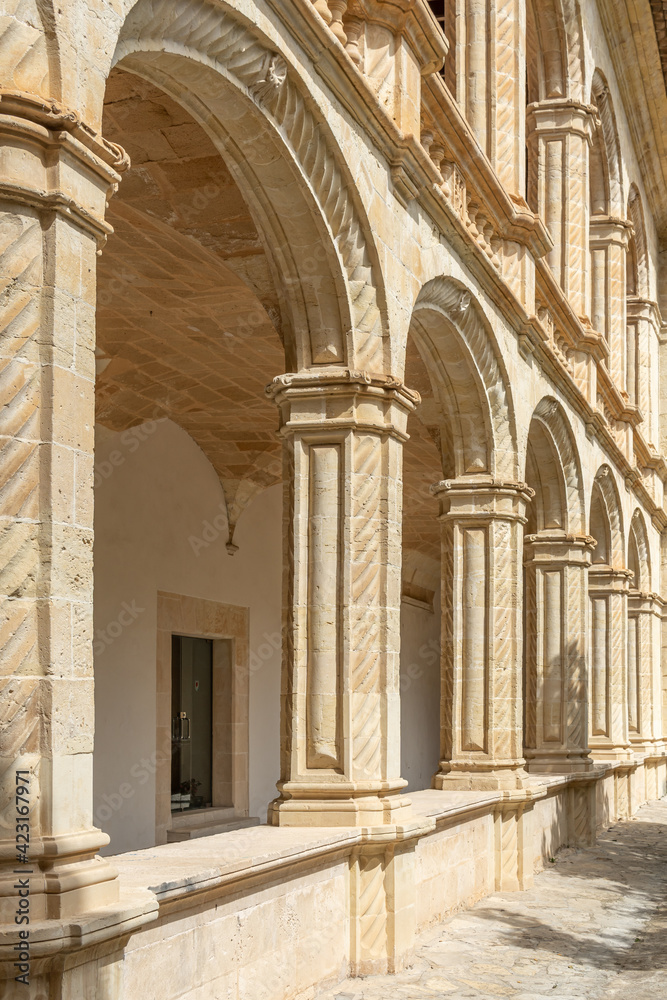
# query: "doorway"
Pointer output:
{"type": "Point", "coordinates": [192, 722]}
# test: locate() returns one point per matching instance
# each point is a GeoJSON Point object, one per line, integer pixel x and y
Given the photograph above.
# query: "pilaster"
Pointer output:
{"type": "Point", "coordinates": [343, 434]}
{"type": "Point", "coordinates": [643, 326]}
{"type": "Point", "coordinates": [482, 633]}
{"type": "Point", "coordinates": [608, 718]}
{"type": "Point", "coordinates": [55, 177]}
{"type": "Point", "coordinates": [644, 695]}
{"type": "Point", "coordinates": [559, 135]}
{"type": "Point", "coordinates": [556, 566]}
{"type": "Point", "coordinates": [609, 246]}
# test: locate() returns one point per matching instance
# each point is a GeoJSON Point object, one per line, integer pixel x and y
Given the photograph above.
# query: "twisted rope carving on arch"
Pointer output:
{"type": "Point", "coordinates": [465, 316]}
{"type": "Point", "coordinates": [571, 20]}
{"type": "Point", "coordinates": [210, 34]}
{"type": "Point", "coordinates": [638, 528]}
{"type": "Point", "coordinates": [550, 412]}
{"type": "Point", "coordinates": [605, 481]}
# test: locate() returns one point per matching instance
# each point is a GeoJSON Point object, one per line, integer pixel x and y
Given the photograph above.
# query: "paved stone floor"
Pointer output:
{"type": "Point", "coordinates": [593, 926]}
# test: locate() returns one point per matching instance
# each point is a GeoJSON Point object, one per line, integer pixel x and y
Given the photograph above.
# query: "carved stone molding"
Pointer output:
{"type": "Point", "coordinates": [463, 312]}
{"type": "Point", "coordinates": [31, 128]}
{"type": "Point", "coordinates": [217, 37]}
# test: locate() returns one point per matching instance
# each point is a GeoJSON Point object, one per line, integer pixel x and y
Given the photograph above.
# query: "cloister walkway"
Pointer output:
{"type": "Point", "coordinates": [593, 926]}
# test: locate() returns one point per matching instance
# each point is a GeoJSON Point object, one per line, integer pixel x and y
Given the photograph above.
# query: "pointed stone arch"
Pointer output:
{"type": "Point", "coordinates": [286, 162]}
{"type": "Point", "coordinates": [456, 342]}
{"type": "Point", "coordinates": [553, 460]}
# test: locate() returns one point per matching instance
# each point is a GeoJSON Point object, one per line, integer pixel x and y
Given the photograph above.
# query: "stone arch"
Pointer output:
{"type": "Point", "coordinates": [639, 556]}
{"type": "Point", "coordinates": [555, 64]}
{"type": "Point", "coordinates": [606, 520]}
{"type": "Point", "coordinates": [638, 261]}
{"type": "Point", "coordinates": [459, 350]}
{"type": "Point", "coordinates": [605, 173]}
{"type": "Point", "coordinates": [286, 163]}
{"type": "Point", "coordinates": [553, 469]}
{"type": "Point", "coordinates": [546, 51]}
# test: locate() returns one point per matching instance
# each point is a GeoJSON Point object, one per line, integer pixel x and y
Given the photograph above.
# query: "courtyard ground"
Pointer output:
{"type": "Point", "coordinates": [593, 926]}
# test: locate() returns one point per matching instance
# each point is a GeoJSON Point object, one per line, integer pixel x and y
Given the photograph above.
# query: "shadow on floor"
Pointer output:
{"type": "Point", "coordinates": [629, 860]}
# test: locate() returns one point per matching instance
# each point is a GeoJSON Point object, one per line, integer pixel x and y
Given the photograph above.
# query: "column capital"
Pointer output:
{"type": "Point", "coordinates": [606, 230]}
{"type": "Point", "coordinates": [558, 548]}
{"type": "Point", "coordinates": [339, 399]}
{"type": "Point", "coordinates": [642, 603]}
{"type": "Point", "coordinates": [482, 499]}
{"type": "Point", "coordinates": [559, 116]}
{"type": "Point", "coordinates": [607, 580]}
{"type": "Point", "coordinates": [53, 161]}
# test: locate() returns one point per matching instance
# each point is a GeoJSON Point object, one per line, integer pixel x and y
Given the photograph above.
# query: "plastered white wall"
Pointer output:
{"type": "Point", "coordinates": [420, 694]}
{"type": "Point", "coordinates": [155, 491]}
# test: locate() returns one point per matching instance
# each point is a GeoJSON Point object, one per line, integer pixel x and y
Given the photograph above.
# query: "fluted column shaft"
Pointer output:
{"type": "Point", "coordinates": [608, 716]}
{"type": "Point", "coordinates": [559, 135]}
{"type": "Point", "coordinates": [343, 435]}
{"type": "Point", "coordinates": [55, 176]}
{"type": "Point", "coordinates": [556, 697]}
{"type": "Point", "coordinates": [481, 709]}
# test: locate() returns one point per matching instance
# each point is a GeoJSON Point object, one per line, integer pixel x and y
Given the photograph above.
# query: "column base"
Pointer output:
{"type": "Point", "coordinates": [558, 762]}
{"type": "Point", "coordinates": [303, 804]}
{"type": "Point", "coordinates": [466, 777]}
{"type": "Point", "coordinates": [66, 878]}
{"type": "Point", "coordinates": [612, 752]}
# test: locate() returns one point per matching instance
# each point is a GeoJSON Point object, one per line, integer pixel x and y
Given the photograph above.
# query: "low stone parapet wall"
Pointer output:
{"type": "Point", "coordinates": [275, 913]}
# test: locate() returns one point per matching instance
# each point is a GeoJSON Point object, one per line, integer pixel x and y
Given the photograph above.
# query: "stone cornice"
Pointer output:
{"type": "Point", "coordinates": [413, 20]}
{"type": "Point", "coordinates": [511, 216]}
{"type": "Point", "coordinates": [410, 163]}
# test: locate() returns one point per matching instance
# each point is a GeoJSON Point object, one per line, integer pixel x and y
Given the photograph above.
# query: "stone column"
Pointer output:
{"type": "Point", "coordinates": [609, 247]}
{"type": "Point", "coordinates": [642, 366]}
{"type": "Point", "coordinates": [556, 696]}
{"type": "Point", "coordinates": [644, 694]}
{"type": "Point", "coordinates": [559, 135]}
{"type": "Point", "coordinates": [493, 90]}
{"type": "Point", "coordinates": [55, 176]}
{"type": "Point", "coordinates": [343, 435]}
{"type": "Point", "coordinates": [508, 139]}
{"type": "Point", "coordinates": [482, 705]}
{"type": "Point", "coordinates": [608, 716]}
